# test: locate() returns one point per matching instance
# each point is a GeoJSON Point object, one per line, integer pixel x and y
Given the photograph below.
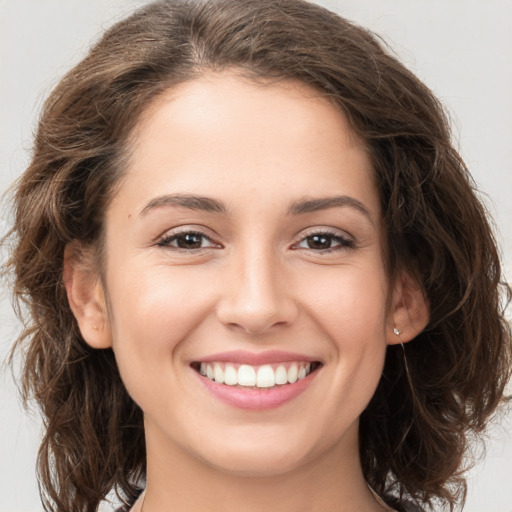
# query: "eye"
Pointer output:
{"type": "Point", "coordinates": [186, 240]}
{"type": "Point", "coordinates": [325, 241]}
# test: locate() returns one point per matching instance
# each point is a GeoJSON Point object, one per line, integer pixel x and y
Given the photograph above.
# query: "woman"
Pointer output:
{"type": "Point", "coordinates": [257, 271]}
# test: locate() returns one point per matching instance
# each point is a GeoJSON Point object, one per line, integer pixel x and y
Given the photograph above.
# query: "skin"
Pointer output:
{"type": "Point", "coordinates": [256, 282]}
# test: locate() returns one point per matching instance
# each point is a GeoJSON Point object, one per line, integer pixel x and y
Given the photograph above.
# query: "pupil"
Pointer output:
{"type": "Point", "coordinates": [319, 242]}
{"type": "Point", "coordinates": [189, 241]}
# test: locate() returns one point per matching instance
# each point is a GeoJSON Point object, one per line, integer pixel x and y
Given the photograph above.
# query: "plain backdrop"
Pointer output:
{"type": "Point", "coordinates": [462, 49]}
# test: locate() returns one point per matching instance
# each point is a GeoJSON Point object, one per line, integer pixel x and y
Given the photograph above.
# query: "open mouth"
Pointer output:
{"type": "Point", "coordinates": [256, 377]}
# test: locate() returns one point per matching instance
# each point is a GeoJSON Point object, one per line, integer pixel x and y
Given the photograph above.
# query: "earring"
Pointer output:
{"type": "Point", "coordinates": [397, 331]}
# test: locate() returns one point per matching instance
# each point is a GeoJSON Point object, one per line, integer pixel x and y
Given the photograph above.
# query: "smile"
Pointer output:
{"type": "Point", "coordinates": [248, 376]}
{"type": "Point", "coordinates": [255, 382]}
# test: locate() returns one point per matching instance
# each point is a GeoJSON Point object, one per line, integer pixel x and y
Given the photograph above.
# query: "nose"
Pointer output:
{"type": "Point", "coordinates": [257, 295]}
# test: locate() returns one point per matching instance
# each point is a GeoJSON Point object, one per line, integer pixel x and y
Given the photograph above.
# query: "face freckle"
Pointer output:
{"type": "Point", "coordinates": [253, 240]}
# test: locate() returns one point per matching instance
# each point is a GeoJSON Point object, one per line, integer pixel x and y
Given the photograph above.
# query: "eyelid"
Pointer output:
{"type": "Point", "coordinates": [349, 240]}
{"type": "Point", "coordinates": [324, 230]}
{"type": "Point", "coordinates": [164, 239]}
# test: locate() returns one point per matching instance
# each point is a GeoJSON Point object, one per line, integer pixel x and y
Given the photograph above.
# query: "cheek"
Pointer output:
{"type": "Point", "coordinates": [150, 315]}
{"type": "Point", "coordinates": [350, 310]}
{"type": "Point", "coordinates": [349, 304]}
{"type": "Point", "coordinates": [347, 308]}
{"type": "Point", "coordinates": [160, 300]}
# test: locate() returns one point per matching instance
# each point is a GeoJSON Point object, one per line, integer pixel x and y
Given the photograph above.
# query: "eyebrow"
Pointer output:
{"type": "Point", "coordinates": [200, 203]}
{"type": "Point", "coordinates": [306, 205]}
{"type": "Point", "coordinates": [301, 206]}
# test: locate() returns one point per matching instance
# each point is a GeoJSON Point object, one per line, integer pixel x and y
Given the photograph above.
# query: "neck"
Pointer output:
{"type": "Point", "coordinates": [332, 482]}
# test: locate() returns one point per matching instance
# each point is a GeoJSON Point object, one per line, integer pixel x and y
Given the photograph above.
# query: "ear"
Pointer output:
{"type": "Point", "coordinates": [409, 313]}
{"type": "Point", "coordinates": [86, 296]}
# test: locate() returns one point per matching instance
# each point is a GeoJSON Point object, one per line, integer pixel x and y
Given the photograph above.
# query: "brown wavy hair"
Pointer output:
{"type": "Point", "coordinates": [435, 393]}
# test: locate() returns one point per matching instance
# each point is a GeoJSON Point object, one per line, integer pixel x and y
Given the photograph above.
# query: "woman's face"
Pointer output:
{"type": "Point", "coordinates": [245, 242]}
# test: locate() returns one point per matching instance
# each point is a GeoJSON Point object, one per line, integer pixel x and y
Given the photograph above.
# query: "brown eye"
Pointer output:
{"type": "Point", "coordinates": [319, 241]}
{"type": "Point", "coordinates": [187, 240]}
{"type": "Point", "coordinates": [325, 242]}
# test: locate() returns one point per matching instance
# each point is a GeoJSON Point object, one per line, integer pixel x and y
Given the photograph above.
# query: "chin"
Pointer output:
{"type": "Point", "coordinates": [262, 453]}
{"type": "Point", "coordinates": [254, 463]}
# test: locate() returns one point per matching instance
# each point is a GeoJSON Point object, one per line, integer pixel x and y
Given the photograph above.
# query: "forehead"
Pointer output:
{"type": "Point", "coordinates": [223, 134]}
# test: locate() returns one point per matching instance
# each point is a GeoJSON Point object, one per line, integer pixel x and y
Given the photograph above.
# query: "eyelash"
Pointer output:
{"type": "Point", "coordinates": [343, 243]}
{"type": "Point", "coordinates": [168, 239]}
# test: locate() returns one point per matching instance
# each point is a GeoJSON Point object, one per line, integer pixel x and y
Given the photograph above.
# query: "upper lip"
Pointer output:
{"type": "Point", "coordinates": [255, 358]}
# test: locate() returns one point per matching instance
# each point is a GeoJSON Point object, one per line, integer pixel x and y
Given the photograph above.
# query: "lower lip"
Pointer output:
{"type": "Point", "coordinates": [256, 399]}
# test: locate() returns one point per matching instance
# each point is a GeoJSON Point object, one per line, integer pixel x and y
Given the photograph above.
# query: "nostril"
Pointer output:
{"type": "Point", "coordinates": [255, 326]}
{"type": "Point", "coordinates": [257, 306]}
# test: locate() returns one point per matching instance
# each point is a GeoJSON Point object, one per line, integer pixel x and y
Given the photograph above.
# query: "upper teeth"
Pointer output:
{"type": "Point", "coordinates": [264, 376]}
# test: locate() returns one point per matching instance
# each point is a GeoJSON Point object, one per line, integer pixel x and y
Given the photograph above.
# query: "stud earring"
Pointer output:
{"type": "Point", "coordinates": [397, 331]}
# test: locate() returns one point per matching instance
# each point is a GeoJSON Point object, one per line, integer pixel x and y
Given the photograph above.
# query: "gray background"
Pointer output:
{"type": "Point", "coordinates": [460, 48]}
